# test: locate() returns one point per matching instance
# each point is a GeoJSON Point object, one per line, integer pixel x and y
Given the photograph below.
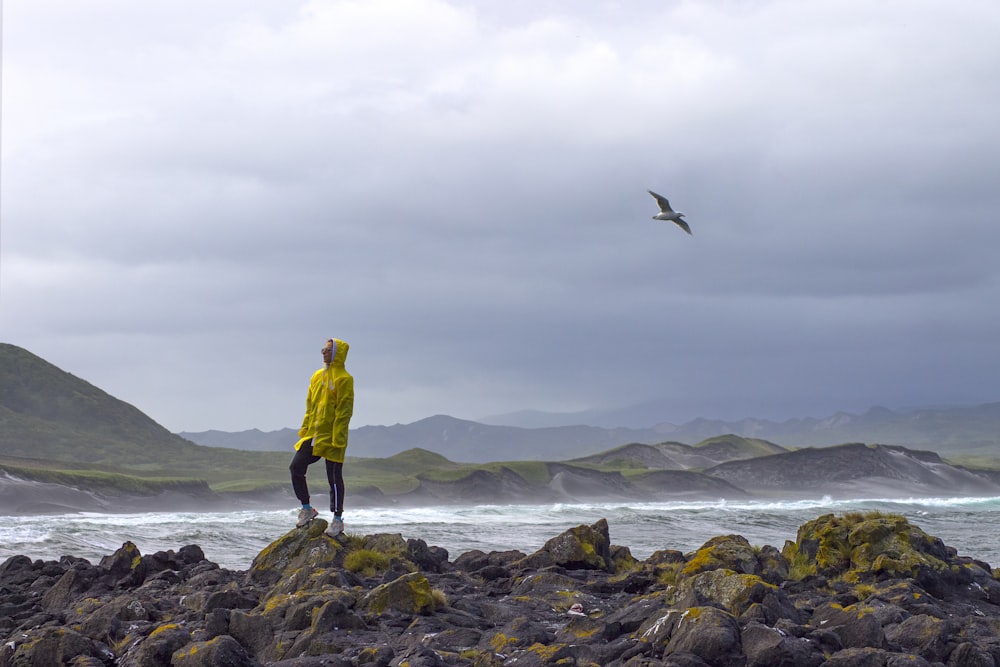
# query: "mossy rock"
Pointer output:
{"type": "Point", "coordinates": [222, 650]}
{"type": "Point", "coordinates": [903, 594]}
{"type": "Point", "coordinates": [622, 560]}
{"type": "Point", "coordinates": [125, 565]}
{"type": "Point", "coordinates": [295, 611]}
{"type": "Point", "coordinates": [925, 635]}
{"type": "Point", "coordinates": [725, 589]}
{"type": "Point", "coordinates": [158, 647]}
{"type": "Point", "coordinates": [729, 552]}
{"type": "Point", "coordinates": [668, 558]}
{"type": "Point", "coordinates": [579, 548]}
{"type": "Point", "coordinates": [866, 546]}
{"type": "Point", "coordinates": [391, 544]}
{"type": "Point", "coordinates": [49, 646]}
{"type": "Point", "coordinates": [113, 617]}
{"type": "Point", "coordinates": [857, 625]}
{"type": "Point", "coordinates": [517, 634]}
{"type": "Point", "coordinates": [301, 548]}
{"type": "Point", "coordinates": [409, 594]}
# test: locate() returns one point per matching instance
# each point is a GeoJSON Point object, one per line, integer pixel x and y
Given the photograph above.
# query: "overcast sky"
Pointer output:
{"type": "Point", "coordinates": [195, 195]}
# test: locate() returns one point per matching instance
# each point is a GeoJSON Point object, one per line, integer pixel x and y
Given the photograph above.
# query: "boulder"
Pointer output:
{"type": "Point", "coordinates": [930, 637]}
{"type": "Point", "coordinates": [770, 647]}
{"type": "Point", "coordinates": [51, 646]}
{"type": "Point", "coordinates": [156, 649]}
{"type": "Point", "coordinates": [409, 594]}
{"type": "Point", "coordinates": [580, 548]}
{"type": "Point", "coordinates": [856, 625]}
{"type": "Point", "coordinates": [124, 566]}
{"type": "Point", "coordinates": [724, 589]}
{"type": "Point", "coordinates": [731, 552]}
{"type": "Point", "coordinates": [709, 633]}
{"type": "Point", "coordinates": [222, 651]}
{"type": "Point", "coordinates": [868, 547]}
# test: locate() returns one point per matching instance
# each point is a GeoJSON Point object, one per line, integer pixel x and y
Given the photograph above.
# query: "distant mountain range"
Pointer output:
{"type": "Point", "coordinates": [969, 431]}
{"type": "Point", "coordinates": [455, 439]}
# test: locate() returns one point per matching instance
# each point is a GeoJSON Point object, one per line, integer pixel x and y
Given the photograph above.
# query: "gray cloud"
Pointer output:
{"type": "Point", "coordinates": [195, 197]}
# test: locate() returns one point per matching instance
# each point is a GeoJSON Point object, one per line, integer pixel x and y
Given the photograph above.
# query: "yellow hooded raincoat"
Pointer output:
{"type": "Point", "coordinates": [329, 406]}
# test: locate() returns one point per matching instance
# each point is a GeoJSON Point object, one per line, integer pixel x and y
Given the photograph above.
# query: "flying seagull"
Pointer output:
{"type": "Point", "coordinates": [667, 213]}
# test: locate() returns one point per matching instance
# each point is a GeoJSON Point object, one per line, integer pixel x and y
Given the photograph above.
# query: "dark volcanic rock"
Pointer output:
{"type": "Point", "coordinates": [862, 589]}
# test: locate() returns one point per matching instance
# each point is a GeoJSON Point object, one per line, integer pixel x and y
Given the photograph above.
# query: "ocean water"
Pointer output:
{"type": "Point", "coordinates": [233, 539]}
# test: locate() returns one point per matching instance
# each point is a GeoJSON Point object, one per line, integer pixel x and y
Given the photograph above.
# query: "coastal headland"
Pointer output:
{"type": "Point", "coordinates": [856, 589]}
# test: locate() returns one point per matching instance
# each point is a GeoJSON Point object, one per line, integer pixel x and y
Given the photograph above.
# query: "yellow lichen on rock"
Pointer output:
{"type": "Point", "coordinates": [732, 552]}
{"type": "Point", "coordinates": [732, 591]}
{"type": "Point", "coordinates": [166, 627]}
{"type": "Point", "coordinates": [857, 546]}
{"type": "Point", "coordinates": [410, 593]}
{"type": "Point", "coordinates": [501, 643]}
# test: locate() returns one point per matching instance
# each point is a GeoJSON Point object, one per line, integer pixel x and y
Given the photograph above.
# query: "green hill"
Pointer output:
{"type": "Point", "coordinates": [77, 421]}
{"type": "Point", "coordinates": [732, 447]}
{"type": "Point", "coordinates": [51, 419]}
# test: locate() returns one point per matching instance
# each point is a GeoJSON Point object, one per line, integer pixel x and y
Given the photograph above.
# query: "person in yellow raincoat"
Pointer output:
{"type": "Point", "coordinates": [323, 435]}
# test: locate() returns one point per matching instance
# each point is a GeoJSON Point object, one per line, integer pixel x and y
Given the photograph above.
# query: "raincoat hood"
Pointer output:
{"type": "Point", "coordinates": [340, 349]}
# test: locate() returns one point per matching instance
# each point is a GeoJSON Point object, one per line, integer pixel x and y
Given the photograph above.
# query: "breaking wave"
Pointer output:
{"type": "Point", "coordinates": [233, 539]}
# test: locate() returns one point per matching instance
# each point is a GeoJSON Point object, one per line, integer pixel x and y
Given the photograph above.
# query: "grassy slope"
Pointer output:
{"type": "Point", "coordinates": [52, 420]}
{"type": "Point", "coordinates": [740, 447]}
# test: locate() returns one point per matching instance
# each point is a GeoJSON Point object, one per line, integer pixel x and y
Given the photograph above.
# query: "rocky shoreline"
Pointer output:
{"type": "Point", "coordinates": [859, 589]}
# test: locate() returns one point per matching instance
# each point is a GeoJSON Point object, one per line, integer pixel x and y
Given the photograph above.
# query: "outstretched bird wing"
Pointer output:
{"type": "Point", "coordinates": [662, 202]}
{"type": "Point", "coordinates": [683, 225]}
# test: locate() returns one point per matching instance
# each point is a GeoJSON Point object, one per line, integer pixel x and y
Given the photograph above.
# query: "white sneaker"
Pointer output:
{"type": "Point", "coordinates": [305, 516]}
{"type": "Point", "coordinates": [335, 528]}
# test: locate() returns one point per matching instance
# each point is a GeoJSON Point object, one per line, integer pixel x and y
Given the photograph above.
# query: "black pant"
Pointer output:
{"type": "Point", "coordinates": [303, 458]}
